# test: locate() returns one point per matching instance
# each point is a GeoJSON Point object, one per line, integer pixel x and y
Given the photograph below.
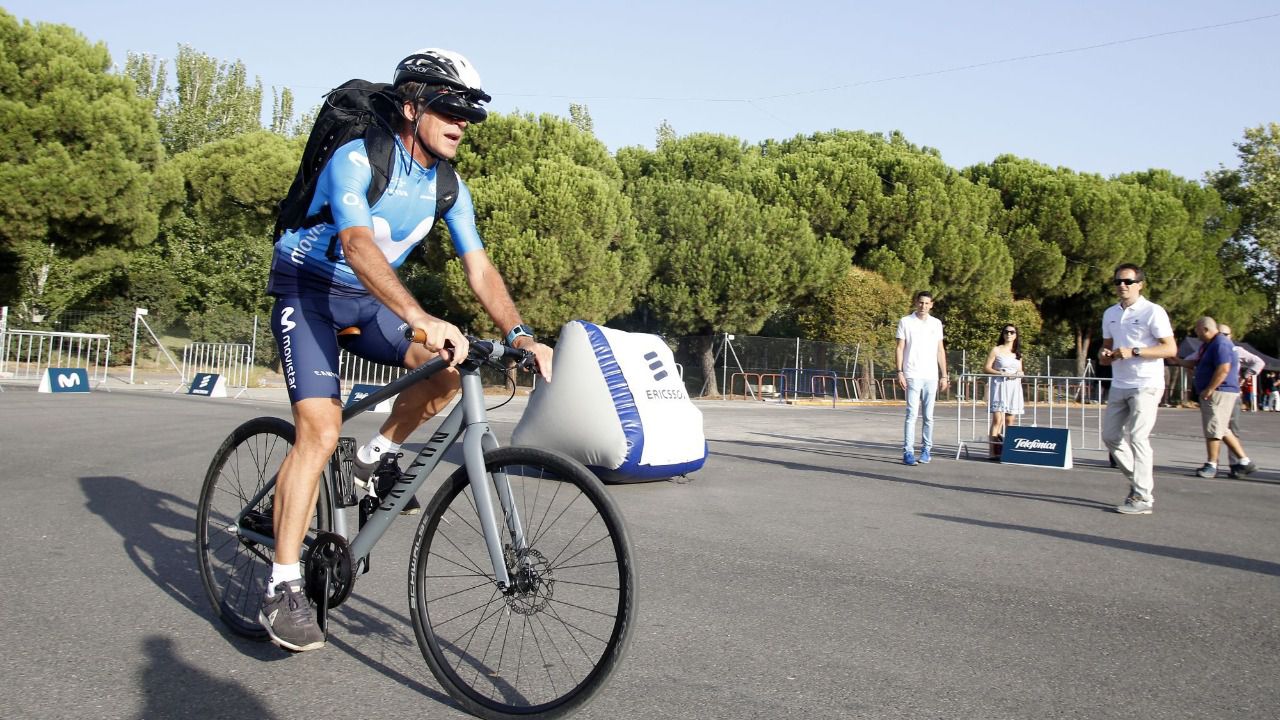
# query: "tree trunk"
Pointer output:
{"type": "Point", "coordinates": [1084, 336]}
{"type": "Point", "coordinates": [706, 345]}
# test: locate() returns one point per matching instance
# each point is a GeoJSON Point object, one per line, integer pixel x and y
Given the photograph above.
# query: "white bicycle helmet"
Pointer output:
{"type": "Point", "coordinates": [454, 86]}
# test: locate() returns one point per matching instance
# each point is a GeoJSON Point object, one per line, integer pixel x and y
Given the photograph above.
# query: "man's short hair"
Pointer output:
{"type": "Point", "coordinates": [921, 293]}
{"type": "Point", "coordinates": [1137, 271]}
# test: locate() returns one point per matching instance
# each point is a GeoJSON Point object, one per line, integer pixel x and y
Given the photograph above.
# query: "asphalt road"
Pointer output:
{"type": "Point", "coordinates": [804, 573]}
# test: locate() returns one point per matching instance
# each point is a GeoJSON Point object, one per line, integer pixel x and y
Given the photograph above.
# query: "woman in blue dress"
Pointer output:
{"type": "Point", "coordinates": [1004, 391]}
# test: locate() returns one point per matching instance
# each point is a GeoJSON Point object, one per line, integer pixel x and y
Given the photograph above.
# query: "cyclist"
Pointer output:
{"type": "Point", "coordinates": [319, 292]}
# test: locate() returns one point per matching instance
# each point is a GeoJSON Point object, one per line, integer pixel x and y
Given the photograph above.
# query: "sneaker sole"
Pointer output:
{"type": "Point", "coordinates": [1134, 512]}
{"type": "Point", "coordinates": [280, 642]}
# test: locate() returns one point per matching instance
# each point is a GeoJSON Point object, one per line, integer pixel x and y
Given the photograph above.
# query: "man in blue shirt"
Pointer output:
{"type": "Point", "coordinates": [1218, 389]}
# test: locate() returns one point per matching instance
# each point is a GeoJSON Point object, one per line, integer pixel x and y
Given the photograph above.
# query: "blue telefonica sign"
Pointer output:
{"type": "Point", "coordinates": [1045, 447]}
{"type": "Point", "coordinates": [362, 391]}
{"type": "Point", "coordinates": [65, 380]}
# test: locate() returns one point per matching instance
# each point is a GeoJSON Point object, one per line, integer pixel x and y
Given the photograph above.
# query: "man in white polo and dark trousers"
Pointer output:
{"type": "Point", "coordinates": [1136, 338]}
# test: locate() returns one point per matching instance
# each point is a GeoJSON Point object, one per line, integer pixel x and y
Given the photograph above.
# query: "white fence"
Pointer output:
{"type": "Point", "coordinates": [1073, 403]}
{"type": "Point", "coordinates": [354, 371]}
{"type": "Point", "coordinates": [233, 361]}
{"type": "Point", "coordinates": [26, 354]}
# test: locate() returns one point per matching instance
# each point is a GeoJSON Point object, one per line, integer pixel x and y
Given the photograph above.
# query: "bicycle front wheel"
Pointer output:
{"type": "Point", "coordinates": [233, 567]}
{"type": "Point", "coordinates": [545, 645]}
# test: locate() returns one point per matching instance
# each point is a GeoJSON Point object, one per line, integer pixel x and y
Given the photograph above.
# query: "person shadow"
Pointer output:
{"type": "Point", "coordinates": [157, 534]}
{"type": "Point", "coordinates": [173, 688]}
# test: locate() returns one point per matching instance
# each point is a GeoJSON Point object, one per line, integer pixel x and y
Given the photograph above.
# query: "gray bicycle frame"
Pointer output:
{"type": "Point", "coordinates": [469, 417]}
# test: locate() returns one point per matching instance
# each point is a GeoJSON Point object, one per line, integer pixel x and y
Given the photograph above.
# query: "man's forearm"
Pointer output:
{"type": "Point", "coordinates": [490, 289]}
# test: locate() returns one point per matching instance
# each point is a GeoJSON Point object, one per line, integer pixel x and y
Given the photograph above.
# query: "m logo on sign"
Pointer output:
{"type": "Point", "coordinates": [65, 380]}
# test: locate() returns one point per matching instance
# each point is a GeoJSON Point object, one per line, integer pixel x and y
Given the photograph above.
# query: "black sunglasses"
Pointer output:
{"type": "Point", "coordinates": [1125, 281]}
{"type": "Point", "coordinates": [1010, 332]}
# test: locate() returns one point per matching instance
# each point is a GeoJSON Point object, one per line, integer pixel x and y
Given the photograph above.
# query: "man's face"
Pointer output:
{"type": "Point", "coordinates": [923, 305]}
{"type": "Point", "coordinates": [1127, 284]}
{"type": "Point", "coordinates": [1204, 332]}
{"type": "Point", "coordinates": [441, 133]}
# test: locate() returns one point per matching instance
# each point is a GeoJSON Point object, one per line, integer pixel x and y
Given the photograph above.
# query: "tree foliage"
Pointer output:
{"type": "Point", "coordinates": [566, 243]}
{"type": "Point", "coordinates": [80, 178]}
{"type": "Point", "coordinates": [212, 100]}
{"type": "Point", "coordinates": [137, 187]}
{"type": "Point", "coordinates": [724, 261]}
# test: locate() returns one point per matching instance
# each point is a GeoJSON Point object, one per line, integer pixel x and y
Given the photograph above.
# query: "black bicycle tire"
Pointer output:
{"type": "Point", "coordinates": [472, 700]}
{"type": "Point", "coordinates": [244, 624]}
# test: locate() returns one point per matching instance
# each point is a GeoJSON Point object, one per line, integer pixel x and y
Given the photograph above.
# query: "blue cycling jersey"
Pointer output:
{"type": "Point", "coordinates": [400, 219]}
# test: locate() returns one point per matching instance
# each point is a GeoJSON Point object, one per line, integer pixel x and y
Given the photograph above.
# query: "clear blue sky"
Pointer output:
{"type": "Point", "coordinates": [758, 70]}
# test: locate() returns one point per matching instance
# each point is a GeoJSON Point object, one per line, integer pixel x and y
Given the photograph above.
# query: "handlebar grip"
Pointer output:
{"type": "Point", "coordinates": [416, 335]}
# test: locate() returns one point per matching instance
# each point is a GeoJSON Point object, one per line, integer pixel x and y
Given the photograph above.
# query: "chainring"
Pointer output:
{"type": "Point", "coordinates": [329, 550]}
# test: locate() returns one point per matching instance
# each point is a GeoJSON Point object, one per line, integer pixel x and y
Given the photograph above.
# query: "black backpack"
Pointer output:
{"type": "Point", "coordinates": [356, 108]}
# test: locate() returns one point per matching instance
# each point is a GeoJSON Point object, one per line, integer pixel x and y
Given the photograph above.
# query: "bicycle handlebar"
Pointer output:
{"type": "Point", "coordinates": [482, 351]}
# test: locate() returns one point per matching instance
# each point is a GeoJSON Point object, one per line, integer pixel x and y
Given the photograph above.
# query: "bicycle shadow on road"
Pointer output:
{"type": "Point", "coordinates": [1233, 562]}
{"type": "Point", "coordinates": [157, 530]}
{"type": "Point", "coordinates": [173, 688]}
{"type": "Point", "coordinates": [158, 534]}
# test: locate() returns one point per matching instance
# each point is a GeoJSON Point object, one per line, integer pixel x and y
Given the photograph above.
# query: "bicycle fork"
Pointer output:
{"type": "Point", "coordinates": [477, 440]}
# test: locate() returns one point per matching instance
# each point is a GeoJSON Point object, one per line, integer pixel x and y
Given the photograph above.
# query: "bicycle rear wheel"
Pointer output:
{"type": "Point", "coordinates": [544, 647]}
{"type": "Point", "coordinates": [233, 568]}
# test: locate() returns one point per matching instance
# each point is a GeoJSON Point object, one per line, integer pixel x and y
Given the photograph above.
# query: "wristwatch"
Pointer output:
{"type": "Point", "coordinates": [1137, 351]}
{"type": "Point", "coordinates": [520, 330]}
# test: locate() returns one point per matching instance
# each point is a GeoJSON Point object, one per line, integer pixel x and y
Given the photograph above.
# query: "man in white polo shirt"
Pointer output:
{"type": "Point", "coordinates": [921, 358]}
{"type": "Point", "coordinates": [1136, 338]}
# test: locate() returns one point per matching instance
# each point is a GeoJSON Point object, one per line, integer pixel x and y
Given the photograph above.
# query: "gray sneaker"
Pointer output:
{"type": "Point", "coordinates": [290, 619]}
{"type": "Point", "coordinates": [1134, 505]}
{"type": "Point", "coordinates": [1239, 471]}
{"type": "Point", "coordinates": [1207, 471]}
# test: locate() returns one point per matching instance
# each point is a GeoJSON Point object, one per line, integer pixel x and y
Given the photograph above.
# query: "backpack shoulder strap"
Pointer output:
{"type": "Point", "coordinates": [446, 187]}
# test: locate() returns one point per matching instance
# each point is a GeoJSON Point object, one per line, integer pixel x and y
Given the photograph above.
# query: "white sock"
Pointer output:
{"type": "Point", "coordinates": [282, 573]}
{"type": "Point", "coordinates": [373, 450]}
{"type": "Point", "coordinates": [1212, 464]}
{"type": "Point", "coordinates": [1243, 461]}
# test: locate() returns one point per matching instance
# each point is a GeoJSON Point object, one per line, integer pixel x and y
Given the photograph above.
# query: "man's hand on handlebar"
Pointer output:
{"type": "Point", "coordinates": [442, 338]}
{"type": "Point", "coordinates": [542, 354]}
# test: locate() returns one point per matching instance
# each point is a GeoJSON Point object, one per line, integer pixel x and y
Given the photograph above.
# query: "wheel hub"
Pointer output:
{"type": "Point", "coordinates": [532, 581]}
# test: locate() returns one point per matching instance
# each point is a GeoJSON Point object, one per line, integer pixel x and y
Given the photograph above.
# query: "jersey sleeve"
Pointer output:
{"type": "Point", "coordinates": [344, 185]}
{"type": "Point", "coordinates": [461, 220]}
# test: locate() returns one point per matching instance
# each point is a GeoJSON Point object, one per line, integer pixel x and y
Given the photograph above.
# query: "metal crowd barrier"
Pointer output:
{"type": "Point", "coordinates": [230, 360]}
{"type": "Point", "coordinates": [1073, 403]}
{"type": "Point", "coordinates": [27, 354]}
{"type": "Point", "coordinates": [354, 371]}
